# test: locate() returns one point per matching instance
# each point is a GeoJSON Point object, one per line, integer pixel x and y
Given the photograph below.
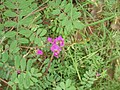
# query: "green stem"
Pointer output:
{"type": "Point", "coordinates": [100, 21]}
{"type": "Point", "coordinates": [75, 65]}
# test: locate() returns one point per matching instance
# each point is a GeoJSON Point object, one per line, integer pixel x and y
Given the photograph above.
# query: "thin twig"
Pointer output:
{"type": "Point", "coordinates": [12, 28]}
{"type": "Point", "coordinates": [26, 54]}
{"type": "Point", "coordinates": [27, 47]}
{"type": "Point", "coordinates": [46, 71]}
{"type": "Point", "coordinates": [5, 82]}
{"type": "Point", "coordinates": [35, 11]}
{"type": "Point", "coordinates": [3, 38]}
{"type": "Point", "coordinates": [90, 30]}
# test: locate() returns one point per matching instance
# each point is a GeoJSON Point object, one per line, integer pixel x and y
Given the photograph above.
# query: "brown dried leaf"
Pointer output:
{"type": "Point", "coordinates": [115, 25]}
{"type": "Point", "coordinates": [97, 9]}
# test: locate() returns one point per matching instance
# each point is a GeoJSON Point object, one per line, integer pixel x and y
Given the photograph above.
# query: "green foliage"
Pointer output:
{"type": "Point", "coordinates": [65, 86]}
{"type": "Point", "coordinates": [91, 45]}
{"type": "Point", "coordinates": [88, 79]}
{"type": "Point", "coordinates": [65, 17]}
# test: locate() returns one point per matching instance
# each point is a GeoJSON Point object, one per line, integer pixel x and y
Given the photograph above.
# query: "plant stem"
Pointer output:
{"type": "Point", "coordinates": [46, 71]}
{"type": "Point", "coordinates": [5, 82]}
{"type": "Point", "coordinates": [75, 65]}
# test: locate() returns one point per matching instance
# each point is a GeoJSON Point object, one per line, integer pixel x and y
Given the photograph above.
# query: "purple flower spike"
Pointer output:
{"type": "Point", "coordinates": [50, 40]}
{"type": "Point", "coordinates": [39, 52]}
{"type": "Point", "coordinates": [56, 50]}
{"type": "Point", "coordinates": [59, 41]}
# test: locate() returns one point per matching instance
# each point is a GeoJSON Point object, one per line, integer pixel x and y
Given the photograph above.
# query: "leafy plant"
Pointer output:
{"type": "Point", "coordinates": [59, 44]}
{"type": "Point", "coordinates": [88, 79]}
{"type": "Point", "coordinates": [65, 86]}
{"type": "Point", "coordinates": [65, 17]}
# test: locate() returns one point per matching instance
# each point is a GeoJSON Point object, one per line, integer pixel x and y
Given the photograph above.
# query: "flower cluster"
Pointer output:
{"type": "Point", "coordinates": [39, 52]}
{"type": "Point", "coordinates": [57, 44]}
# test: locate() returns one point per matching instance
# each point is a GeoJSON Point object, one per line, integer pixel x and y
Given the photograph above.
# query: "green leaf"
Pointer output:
{"type": "Point", "coordinates": [38, 75]}
{"type": "Point", "coordinates": [14, 76]}
{"type": "Point", "coordinates": [58, 2]}
{"type": "Point", "coordinates": [34, 79]}
{"type": "Point", "coordinates": [32, 37]}
{"type": "Point", "coordinates": [23, 64]}
{"type": "Point", "coordinates": [24, 4]}
{"type": "Point", "coordinates": [32, 70]}
{"type": "Point", "coordinates": [14, 87]}
{"type": "Point", "coordinates": [69, 26]}
{"type": "Point", "coordinates": [10, 83]}
{"type": "Point", "coordinates": [16, 80]}
{"type": "Point", "coordinates": [76, 15]}
{"type": "Point", "coordinates": [34, 28]}
{"type": "Point", "coordinates": [52, 3]}
{"type": "Point", "coordinates": [31, 83]}
{"type": "Point", "coordinates": [26, 33]}
{"type": "Point", "coordinates": [56, 12]}
{"type": "Point", "coordinates": [38, 31]}
{"type": "Point", "coordinates": [16, 50]}
{"type": "Point", "coordinates": [13, 45]}
{"type": "Point", "coordinates": [17, 61]}
{"type": "Point", "coordinates": [58, 88]}
{"type": "Point", "coordinates": [29, 64]}
{"type": "Point", "coordinates": [27, 81]}
{"type": "Point", "coordinates": [78, 25]}
{"type": "Point", "coordinates": [10, 24]}
{"type": "Point", "coordinates": [4, 57]}
{"type": "Point", "coordinates": [38, 41]}
{"type": "Point", "coordinates": [65, 21]}
{"type": "Point", "coordinates": [25, 12]}
{"type": "Point", "coordinates": [30, 1]}
{"type": "Point", "coordinates": [10, 34]}
{"type": "Point", "coordinates": [84, 79]}
{"type": "Point", "coordinates": [62, 16]}
{"type": "Point", "coordinates": [1, 64]}
{"type": "Point", "coordinates": [88, 85]}
{"type": "Point", "coordinates": [1, 6]}
{"type": "Point", "coordinates": [63, 4]}
{"type": "Point", "coordinates": [21, 78]}
{"type": "Point", "coordinates": [86, 76]}
{"type": "Point", "coordinates": [68, 8]}
{"type": "Point", "coordinates": [14, 1]}
{"type": "Point", "coordinates": [90, 82]}
{"type": "Point", "coordinates": [71, 88]}
{"type": "Point", "coordinates": [27, 21]}
{"type": "Point", "coordinates": [43, 32]}
{"type": "Point", "coordinates": [10, 13]}
{"type": "Point", "coordinates": [43, 39]}
{"type": "Point", "coordinates": [9, 4]}
{"type": "Point", "coordinates": [20, 86]}
{"type": "Point", "coordinates": [33, 6]}
{"type": "Point", "coordinates": [68, 83]}
{"type": "Point", "coordinates": [62, 85]}
{"type": "Point", "coordinates": [1, 27]}
{"type": "Point", "coordinates": [23, 40]}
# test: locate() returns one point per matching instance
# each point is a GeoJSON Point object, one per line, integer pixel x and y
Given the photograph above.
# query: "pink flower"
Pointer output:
{"type": "Point", "coordinates": [18, 71]}
{"type": "Point", "coordinates": [56, 50]}
{"type": "Point", "coordinates": [50, 40]}
{"type": "Point", "coordinates": [59, 41]}
{"type": "Point", "coordinates": [39, 52]}
{"type": "Point", "coordinates": [98, 74]}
